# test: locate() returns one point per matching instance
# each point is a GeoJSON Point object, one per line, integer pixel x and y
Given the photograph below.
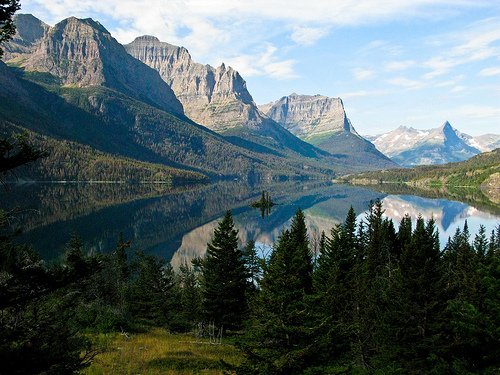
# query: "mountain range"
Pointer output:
{"type": "Point", "coordinates": [149, 101]}
{"type": "Point", "coordinates": [409, 147]}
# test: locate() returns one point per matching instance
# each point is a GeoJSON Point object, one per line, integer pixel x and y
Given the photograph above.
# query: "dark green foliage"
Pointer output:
{"type": "Point", "coordinates": [224, 278]}
{"type": "Point", "coordinates": [71, 161]}
{"type": "Point", "coordinates": [151, 295]}
{"type": "Point", "coordinates": [38, 332]}
{"type": "Point", "coordinates": [265, 203]}
{"type": "Point", "coordinates": [471, 172]}
{"type": "Point", "coordinates": [190, 299]}
{"type": "Point", "coordinates": [7, 27]}
{"type": "Point", "coordinates": [383, 302]}
{"type": "Point", "coordinates": [279, 335]}
{"type": "Point", "coordinates": [253, 265]}
{"type": "Point", "coordinates": [17, 151]}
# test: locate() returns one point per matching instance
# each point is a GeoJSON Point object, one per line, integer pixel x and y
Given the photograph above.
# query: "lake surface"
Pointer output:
{"type": "Point", "coordinates": [177, 222]}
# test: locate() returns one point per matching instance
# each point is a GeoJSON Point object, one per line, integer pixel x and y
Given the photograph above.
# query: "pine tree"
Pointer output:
{"type": "Point", "coordinates": [420, 299]}
{"type": "Point", "coordinates": [224, 277]}
{"type": "Point", "coordinates": [252, 264]}
{"type": "Point", "coordinates": [151, 297]}
{"type": "Point", "coordinates": [279, 334]}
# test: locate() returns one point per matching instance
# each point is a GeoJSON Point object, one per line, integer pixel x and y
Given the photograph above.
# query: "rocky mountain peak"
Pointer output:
{"type": "Point", "coordinates": [29, 31]}
{"type": "Point", "coordinates": [146, 38]}
{"type": "Point", "coordinates": [29, 28]}
{"type": "Point", "coordinates": [217, 98]}
{"type": "Point", "coordinates": [309, 116]}
{"type": "Point", "coordinates": [82, 53]}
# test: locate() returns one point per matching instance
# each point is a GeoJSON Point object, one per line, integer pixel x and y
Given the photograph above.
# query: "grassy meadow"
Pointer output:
{"type": "Point", "coordinates": [160, 352]}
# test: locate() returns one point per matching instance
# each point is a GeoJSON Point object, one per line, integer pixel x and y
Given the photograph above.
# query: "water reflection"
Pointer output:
{"type": "Point", "coordinates": [177, 223]}
{"type": "Point", "coordinates": [447, 214]}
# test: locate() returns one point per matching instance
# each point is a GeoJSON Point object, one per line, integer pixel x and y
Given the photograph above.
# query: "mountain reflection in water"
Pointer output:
{"type": "Point", "coordinates": [177, 223]}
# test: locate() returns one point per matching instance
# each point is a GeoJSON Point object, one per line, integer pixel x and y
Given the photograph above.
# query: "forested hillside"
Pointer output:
{"type": "Point", "coordinates": [481, 171]}
{"type": "Point", "coordinates": [71, 161]}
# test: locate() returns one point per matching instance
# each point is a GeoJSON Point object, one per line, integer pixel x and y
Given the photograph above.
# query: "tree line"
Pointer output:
{"type": "Point", "coordinates": [373, 300]}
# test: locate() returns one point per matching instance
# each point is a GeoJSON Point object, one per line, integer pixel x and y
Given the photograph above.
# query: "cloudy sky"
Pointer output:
{"type": "Point", "coordinates": [393, 62]}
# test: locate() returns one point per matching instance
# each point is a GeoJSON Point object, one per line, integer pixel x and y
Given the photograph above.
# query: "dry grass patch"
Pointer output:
{"type": "Point", "coordinates": [159, 352]}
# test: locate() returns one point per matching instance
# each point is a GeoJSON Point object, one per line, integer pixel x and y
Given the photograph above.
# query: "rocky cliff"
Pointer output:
{"type": "Point", "coordinates": [322, 121]}
{"type": "Point", "coordinates": [82, 53]}
{"type": "Point", "coordinates": [218, 99]}
{"type": "Point", "coordinates": [214, 97]}
{"type": "Point", "coordinates": [29, 31]}
{"type": "Point", "coordinates": [309, 116]}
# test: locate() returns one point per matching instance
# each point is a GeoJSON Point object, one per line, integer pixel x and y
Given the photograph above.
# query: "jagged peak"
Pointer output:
{"type": "Point", "coordinates": [81, 21]}
{"type": "Point", "coordinates": [446, 126]}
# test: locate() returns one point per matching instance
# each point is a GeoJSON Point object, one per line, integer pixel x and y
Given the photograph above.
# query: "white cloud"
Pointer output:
{"type": "Point", "coordinates": [407, 83]}
{"type": "Point", "coordinates": [362, 74]}
{"type": "Point", "coordinates": [475, 43]}
{"type": "Point", "coordinates": [265, 63]}
{"type": "Point", "coordinates": [394, 66]}
{"type": "Point", "coordinates": [458, 88]}
{"type": "Point", "coordinates": [362, 94]}
{"type": "Point", "coordinates": [489, 72]}
{"type": "Point", "coordinates": [232, 27]}
{"type": "Point", "coordinates": [307, 36]}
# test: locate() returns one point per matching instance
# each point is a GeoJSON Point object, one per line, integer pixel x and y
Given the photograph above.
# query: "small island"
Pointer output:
{"type": "Point", "coordinates": [265, 203]}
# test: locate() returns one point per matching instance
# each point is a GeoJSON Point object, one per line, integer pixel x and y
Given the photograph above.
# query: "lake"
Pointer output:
{"type": "Point", "coordinates": [177, 222]}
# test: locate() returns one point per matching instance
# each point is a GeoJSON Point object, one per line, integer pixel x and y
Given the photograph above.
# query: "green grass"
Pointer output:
{"type": "Point", "coordinates": [160, 352]}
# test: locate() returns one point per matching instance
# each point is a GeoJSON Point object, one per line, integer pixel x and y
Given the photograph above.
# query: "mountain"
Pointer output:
{"type": "Point", "coordinates": [82, 53]}
{"type": "Point", "coordinates": [217, 98]}
{"type": "Point", "coordinates": [75, 82]}
{"type": "Point", "coordinates": [322, 121]}
{"type": "Point", "coordinates": [410, 147]}
{"type": "Point", "coordinates": [71, 161]}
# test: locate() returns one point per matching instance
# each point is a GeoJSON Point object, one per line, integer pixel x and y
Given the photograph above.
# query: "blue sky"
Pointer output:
{"type": "Point", "coordinates": [393, 62]}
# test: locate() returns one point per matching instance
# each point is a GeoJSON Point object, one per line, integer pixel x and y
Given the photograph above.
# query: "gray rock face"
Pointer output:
{"type": "Point", "coordinates": [411, 147]}
{"type": "Point", "coordinates": [29, 31]}
{"type": "Point", "coordinates": [81, 53]}
{"type": "Point", "coordinates": [308, 116]}
{"type": "Point", "coordinates": [217, 98]}
{"type": "Point", "coordinates": [214, 97]}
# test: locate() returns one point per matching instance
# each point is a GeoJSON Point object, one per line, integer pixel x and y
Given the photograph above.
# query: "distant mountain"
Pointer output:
{"type": "Point", "coordinates": [75, 82]}
{"type": "Point", "coordinates": [410, 147]}
{"type": "Point", "coordinates": [217, 98]}
{"type": "Point", "coordinates": [322, 121]}
{"type": "Point", "coordinates": [484, 143]}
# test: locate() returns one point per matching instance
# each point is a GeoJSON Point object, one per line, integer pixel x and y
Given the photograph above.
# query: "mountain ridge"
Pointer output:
{"type": "Point", "coordinates": [410, 147]}
{"type": "Point", "coordinates": [216, 98]}
{"type": "Point", "coordinates": [103, 113]}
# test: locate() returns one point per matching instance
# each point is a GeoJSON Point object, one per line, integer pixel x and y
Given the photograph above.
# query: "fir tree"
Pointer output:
{"type": "Point", "coordinates": [224, 277]}
{"type": "Point", "coordinates": [279, 334]}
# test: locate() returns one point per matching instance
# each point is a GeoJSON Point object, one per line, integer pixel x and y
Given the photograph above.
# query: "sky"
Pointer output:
{"type": "Point", "coordinates": [415, 63]}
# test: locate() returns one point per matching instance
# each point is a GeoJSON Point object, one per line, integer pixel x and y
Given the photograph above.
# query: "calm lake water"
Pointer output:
{"type": "Point", "coordinates": [176, 223]}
